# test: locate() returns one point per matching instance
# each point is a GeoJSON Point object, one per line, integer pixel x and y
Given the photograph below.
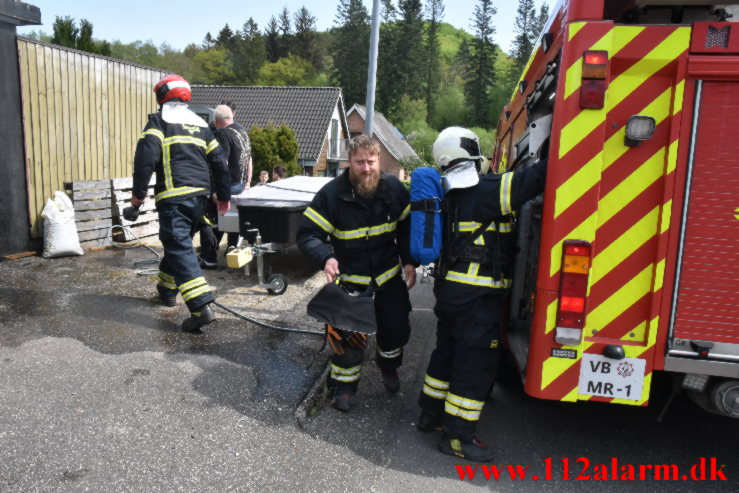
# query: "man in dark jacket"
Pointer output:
{"type": "Point", "coordinates": [363, 212]}
{"type": "Point", "coordinates": [473, 275]}
{"type": "Point", "coordinates": [178, 145]}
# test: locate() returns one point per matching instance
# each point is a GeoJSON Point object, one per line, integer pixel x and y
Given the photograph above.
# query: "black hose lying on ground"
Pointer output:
{"type": "Point", "coordinates": [266, 325]}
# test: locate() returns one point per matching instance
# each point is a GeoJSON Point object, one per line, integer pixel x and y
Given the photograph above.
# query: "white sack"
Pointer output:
{"type": "Point", "coordinates": [60, 230]}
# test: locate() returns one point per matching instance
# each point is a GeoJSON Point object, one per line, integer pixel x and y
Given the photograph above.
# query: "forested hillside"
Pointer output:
{"type": "Point", "coordinates": [430, 74]}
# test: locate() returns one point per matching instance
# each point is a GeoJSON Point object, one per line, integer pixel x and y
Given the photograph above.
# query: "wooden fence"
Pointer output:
{"type": "Point", "coordinates": [82, 115]}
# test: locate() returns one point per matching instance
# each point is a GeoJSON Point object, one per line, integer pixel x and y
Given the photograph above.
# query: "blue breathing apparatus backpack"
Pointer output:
{"type": "Point", "coordinates": [426, 215]}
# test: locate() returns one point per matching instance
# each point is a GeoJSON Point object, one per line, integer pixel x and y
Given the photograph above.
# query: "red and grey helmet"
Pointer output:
{"type": "Point", "coordinates": [171, 87]}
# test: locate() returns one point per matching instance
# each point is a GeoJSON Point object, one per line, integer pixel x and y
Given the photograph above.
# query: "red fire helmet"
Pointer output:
{"type": "Point", "coordinates": [170, 87]}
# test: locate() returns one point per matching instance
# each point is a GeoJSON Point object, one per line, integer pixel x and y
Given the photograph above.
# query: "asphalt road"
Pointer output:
{"type": "Point", "coordinates": [101, 392]}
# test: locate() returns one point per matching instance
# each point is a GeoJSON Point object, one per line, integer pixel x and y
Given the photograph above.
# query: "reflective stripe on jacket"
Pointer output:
{"type": "Point", "coordinates": [183, 157]}
{"type": "Point", "coordinates": [369, 238]}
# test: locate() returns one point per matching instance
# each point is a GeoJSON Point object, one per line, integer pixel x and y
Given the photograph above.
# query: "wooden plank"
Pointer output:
{"type": "Point", "coordinates": [125, 195]}
{"type": "Point", "coordinates": [106, 142]}
{"type": "Point", "coordinates": [149, 229]}
{"type": "Point", "coordinates": [90, 225]}
{"type": "Point", "coordinates": [58, 124]}
{"type": "Point", "coordinates": [96, 117]}
{"type": "Point", "coordinates": [91, 194]}
{"type": "Point", "coordinates": [92, 215]}
{"type": "Point", "coordinates": [63, 90]}
{"type": "Point", "coordinates": [91, 205]}
{"type": "Point", "coordinates": [49, 135]}
{"type": "Point", "coordinates": [28, 121]}
{"type": "Point", "coordinates": [94, 234]}
{"type": "Point", "coordinates": [16, 256]}
{"type": "Point", "coordinates": [78, 118]}
{"type": "Point", "coordinates": [120, 204]}
{"type": "Point", "coordinates": [89, 185]}
{"type": "Point", "coordinates": [127, 182]}
{"type": "Point", "coordinates": [87, 129]}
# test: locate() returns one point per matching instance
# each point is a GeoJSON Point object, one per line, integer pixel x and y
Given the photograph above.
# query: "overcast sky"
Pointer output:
{"type": "Point", "coordinates": [180, 22]}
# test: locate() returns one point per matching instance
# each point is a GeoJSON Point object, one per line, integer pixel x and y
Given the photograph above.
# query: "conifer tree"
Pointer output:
{"type": "Point", "coordinates": [435, 12]}
{"type": "Point", "coordinates": [286, 32]}
{"type": "Point", "coordinates": [305, 37]}
{"type": "Point", "coordinates": [350, 50]}
{"type": "Point", "coordinates": [523, 42]}
{"type": "Point", "coordinates": [541, 20]}
{"type": "Point", "coordinates": [479, 66]}
{"type": "Point", "coordinates": [410, 51]}
{"type": "Point", "coordinates": [272, 40]}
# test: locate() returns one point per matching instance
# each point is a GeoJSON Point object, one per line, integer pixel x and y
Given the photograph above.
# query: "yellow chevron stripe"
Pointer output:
{"type": "Point", "coordinates": [672, 156]}
{"type": "Point", "coordinates": [630, 188]}
{"type": "Point", "coordinates": [629, 242]}
{"type": "Point", "coordinates": [584, 231]}
{"type": "Point", "coordinates": [612, 42]}
{"type": "Point", "coordinates": [659, 275]}
{"type": "Point", "coordinates": [552, 316]}
{"type": "Point", "coordinates": [666, 217]}
{"type": "Point", "coordinates": [572, 396]}
{"type": "Point", "coordinates": [578, 184]}
{"type": "Point", "coordinates": [553, 368]}
{"type": "Point", "coordinates": [575, 28]}
{"type": "Point", "coordinates": [619, 301]}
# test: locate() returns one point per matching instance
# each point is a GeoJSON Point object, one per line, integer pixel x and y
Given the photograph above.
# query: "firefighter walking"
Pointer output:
{"type": "Point", "coordinates": [473, 274]}
{"type": "Point", "coordinates": [363, 213]}
{"type": "Point", "coordinates": [178, 146]}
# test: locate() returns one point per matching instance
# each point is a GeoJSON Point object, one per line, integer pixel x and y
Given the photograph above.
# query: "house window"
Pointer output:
{"type": "Point", "coordinates": [333, 143]}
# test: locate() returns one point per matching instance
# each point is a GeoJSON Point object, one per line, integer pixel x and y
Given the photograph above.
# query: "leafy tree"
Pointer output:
{"type": "Point", "coordinates": [304, 44]}
{"type": "Point", "coordinates": [84, 39]}
{"type": "Point", "coordinates": [435, 11]}
{"type": "Point", "coordinates": [523, 41]}
{"type": "Point", "coordinates": [287, 71]}
{"type": "Point", "coordinates": [274, 145]}
{"type": "Point", "coordinates": [272, 40]}
{"type": "Point", "coordinates": [349, 50]}
{"type": "Point", "coordinates": [450, 108]}
{"type": "Point", "coordinates": [65, 32]}
{"type": "Point", "coordinates": [479, 73]}
{"type": "Point", "coordinates": [213, 67]}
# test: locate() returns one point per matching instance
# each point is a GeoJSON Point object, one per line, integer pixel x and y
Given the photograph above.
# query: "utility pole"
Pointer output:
{"type": "Point", "coordinates": [372, 69]}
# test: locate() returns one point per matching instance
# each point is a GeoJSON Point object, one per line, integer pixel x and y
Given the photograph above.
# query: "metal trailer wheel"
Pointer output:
{"type": "Point", "coordinates": [725, 397]}
{"type": "Point", "coordinates": [278, 284]}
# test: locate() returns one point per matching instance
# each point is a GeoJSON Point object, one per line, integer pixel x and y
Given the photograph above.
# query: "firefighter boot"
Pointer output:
{"type": "Point", "coordinates": [391, 380]}
{"type": "Point", "coordinates": [198, 319]}
{"type": "Point", "coordinates": [473, 450]}
{"type": "Point", "coordinates": [343, 402]}
{"type": "Point", "coordinates": [168, 297]}
{"type": "Point", "coordinates": [428, 422]}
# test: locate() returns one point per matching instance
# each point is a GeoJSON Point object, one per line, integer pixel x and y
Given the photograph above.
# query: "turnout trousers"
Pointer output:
{"type": "Point", "coordinates": [463, 365]}
{"type": "Point", "coordinates": [392, 306]}
{"type": "Point", "coordinates": [179, 270]}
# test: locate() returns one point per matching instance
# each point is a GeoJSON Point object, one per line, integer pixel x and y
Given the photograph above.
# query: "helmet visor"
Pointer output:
{"type": "Point", "coordinates": [460, 175]}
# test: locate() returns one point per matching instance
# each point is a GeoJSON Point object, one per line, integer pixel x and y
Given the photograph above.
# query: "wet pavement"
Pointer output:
{"type": "Point", "coordinates": [102, 392]}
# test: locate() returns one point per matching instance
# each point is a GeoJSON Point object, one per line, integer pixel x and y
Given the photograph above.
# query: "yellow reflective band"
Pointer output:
{"type": "Point", "coordinates": [470, 226]}
{"type": "Point", "coordinates": [154, 132]}
{"type": "Point", "coordinates": [436, 383]}
{"type": "Point", "coordinates": [389, 354]}
{"type": "Point", "coordinates": [387, 275]}
{"type": "Point", "coordinates": [212, 146]}
{"type": "Point", "coordinates": [166, 284]}
{"type": "Point", "coordinates": [473, 269]}
{"type": "Point", "coordinates": [191, 283]}
{"type": "Point", "coordinates": [405, 212]}
{"type": "Point", "coordinates": [464, 402]}
{"type": "Point", "coordinates": [177, 191]}
{"type": "Point", "coordinates": [345, 371]}
{"type": "Point", "coordinates": [462, 413]}
{"type": "Point", "coordinates": [319, 220]}
{"type": "Point", "coordinates": [356, 279]}
{"type": "Point", "coordinates": [195, 293]}
{"type": "Point", "coordinates": [165, 276]}
{"type": "Point", "coordinates": [207, 221]}
{"type": "Point", "coordinates": [475, 280]}
{"type": "Point", "coordinates": [168, 184]}
{"type": "Point", "coordinates": [346, 378]}
{"type": "Point", "coordinates": [366, 232]}
{"type": "Point", "coordinates": [184, 139]}
{"type": "Point", "coordinates": [432, 392]}
{"type": "Point", "coordinates": [505, 193]}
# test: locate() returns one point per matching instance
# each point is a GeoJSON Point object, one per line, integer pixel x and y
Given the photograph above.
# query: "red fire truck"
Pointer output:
{"type": "Point", "coordinates": [629, 264]}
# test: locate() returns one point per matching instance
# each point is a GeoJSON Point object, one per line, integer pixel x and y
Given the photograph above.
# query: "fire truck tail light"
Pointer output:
{"type": "Point", "coordinates": [573, 289]}
{"type": "Point", "coordinates": [594, 79]}
{"type": "Point", "coordinates": [593, 94]}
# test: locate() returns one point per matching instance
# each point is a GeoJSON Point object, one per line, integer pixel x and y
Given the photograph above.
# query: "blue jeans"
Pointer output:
{"type": "Point", "coordinates": [237, 188]}
{"type": "Point", "coordinates": [179, 269]}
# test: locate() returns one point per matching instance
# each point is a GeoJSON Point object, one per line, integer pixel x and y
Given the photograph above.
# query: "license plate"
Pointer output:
{"type": "Point", "coordinates": [606, 377]}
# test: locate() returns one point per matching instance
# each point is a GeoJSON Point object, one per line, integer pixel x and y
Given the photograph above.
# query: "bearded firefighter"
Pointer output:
{"type": "Point", "coordinates": [356, 230]}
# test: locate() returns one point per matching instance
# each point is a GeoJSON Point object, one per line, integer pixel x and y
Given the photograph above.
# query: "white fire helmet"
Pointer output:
{"type": "Point", "coordinates": [457, 153]}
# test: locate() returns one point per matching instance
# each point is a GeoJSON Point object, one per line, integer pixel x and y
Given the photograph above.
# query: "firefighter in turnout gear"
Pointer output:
{"type": "Point", "coordinates": [472, 276]}
{"type": "Point", "coordinates": [178, 145]}
{"type": "Point", "coordinates": [363, 213]}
